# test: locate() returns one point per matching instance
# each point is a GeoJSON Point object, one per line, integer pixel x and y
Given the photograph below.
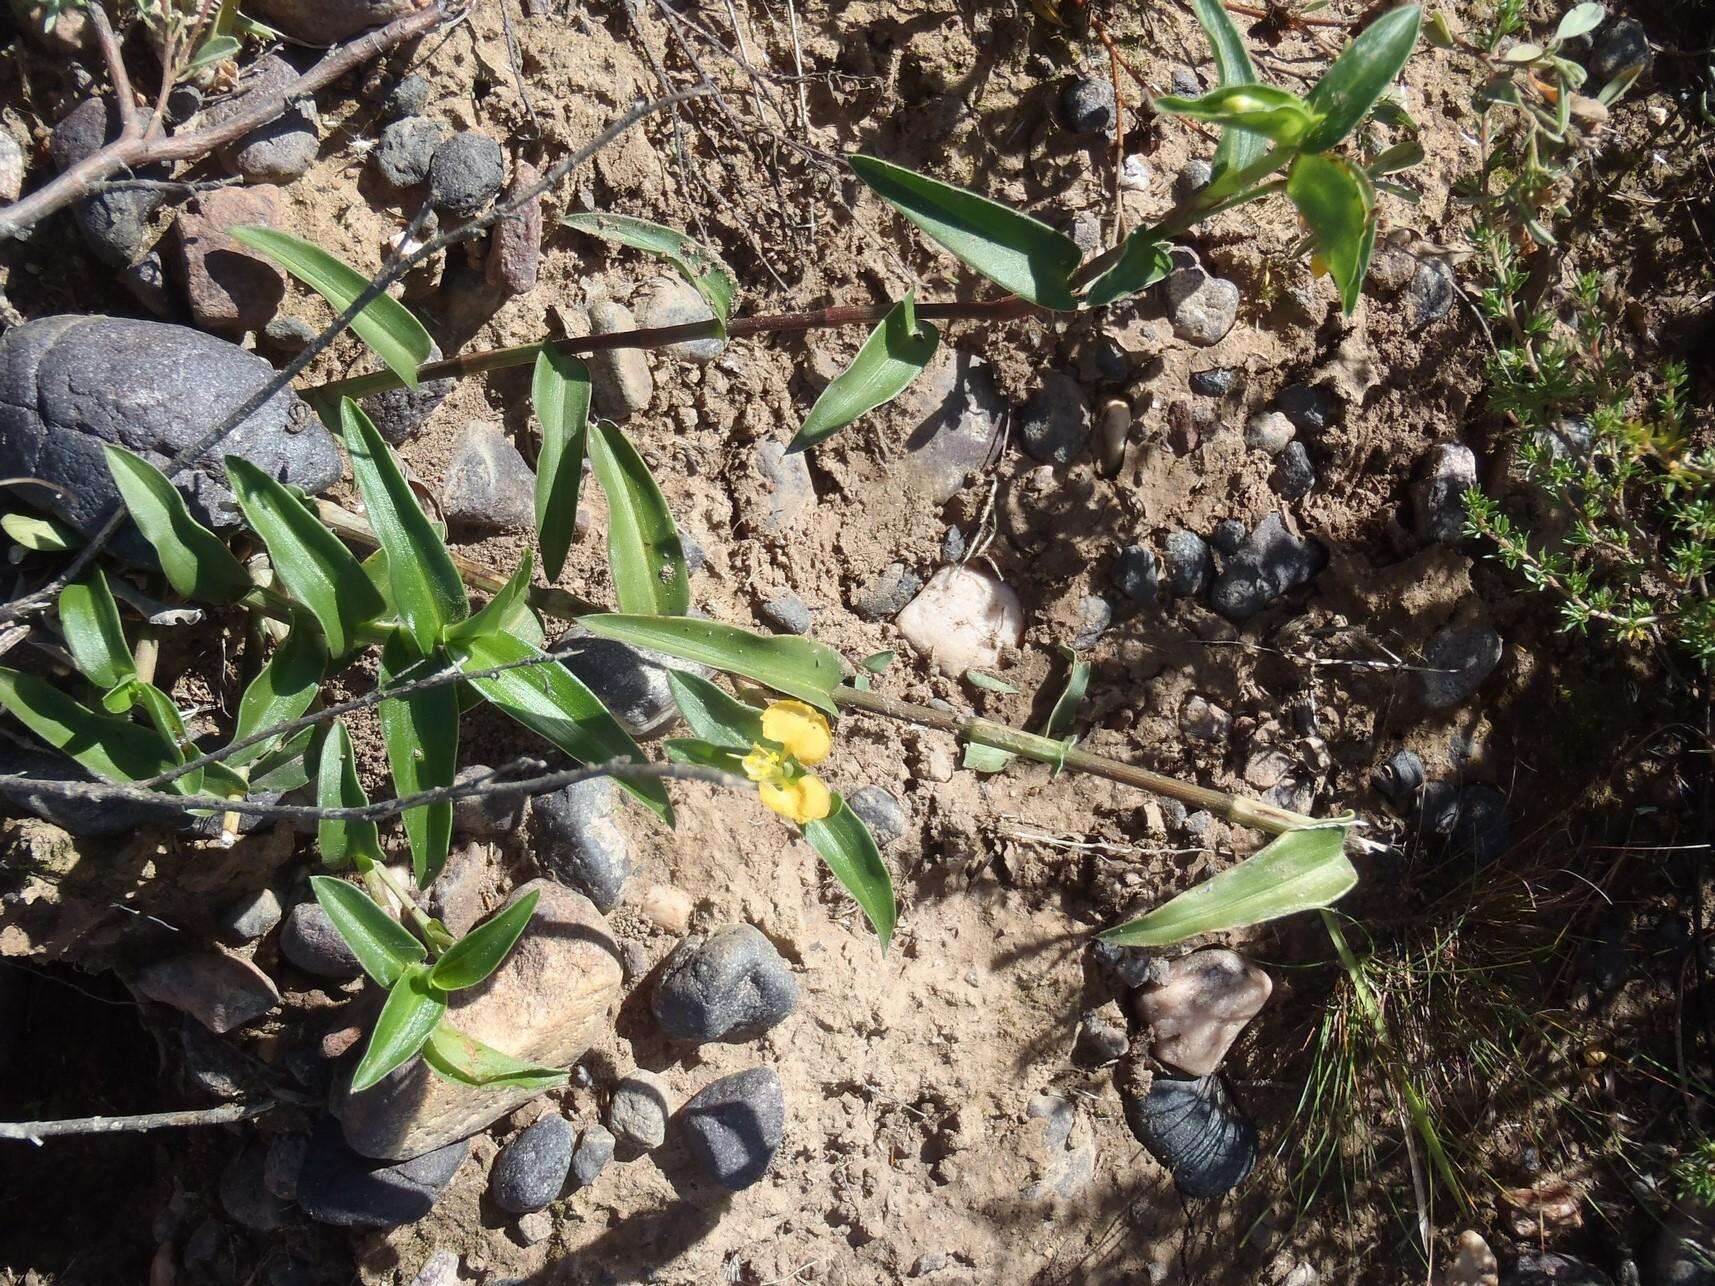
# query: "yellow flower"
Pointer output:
{"type": "Point", "coordinates": [800, 728]}
{"type": "Point", "coordinates": [803, 798]}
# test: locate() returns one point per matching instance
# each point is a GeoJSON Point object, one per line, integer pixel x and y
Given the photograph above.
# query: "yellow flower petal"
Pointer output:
{"type": "Point", "coordinates": [763, 764]}
{"type": "Point", "coordinates": [803, 799]}
{"type": "Point", "coordinates": [801, 728]}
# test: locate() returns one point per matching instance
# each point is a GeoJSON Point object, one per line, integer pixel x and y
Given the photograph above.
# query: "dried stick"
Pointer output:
{"type": "Point", "coordinates": [225, 1113]}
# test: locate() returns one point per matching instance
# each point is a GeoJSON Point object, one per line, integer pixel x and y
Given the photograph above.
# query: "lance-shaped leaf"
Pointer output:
{"type": "Point", "coordinates": [383, 946]}
{"type": "Point", "coordinates": [476, 955]}
{"type": "Point", "coordinates": [343, 841]}
{"type": "Point", "coordinates": [501, 610]}
{"type": "Point", "coordinates": [552, 702]}
{"type": "Point", "coordinates": [799, 667]}
{"type": "Point", "coordinates": [287, 767]}
{"type": "Point", "coordinates": [712, 279]}
{"type": "Point", "coordinates": [385, 324]}
{"type": "Point", "coordinates": [1142, 261]}
{"type": "Point", "coordinates": [1338, 204]}
{"type": "Point", "coordinates": [895, 353]}
{"type": "Point", "coordinates": [714, 715]}
{"type": "Point", "coordinates": [1065, 712]}
{"type": "Point", "coordinates": [421, 733]}
{"type": "Point", "coordinates": [986, 759]}
{"type": "Point", "coordinates": [40, 534]}
{"type": "Point", "coordinates": [413, 1010]}
{"type": "Point", "coordinates": [282, 691]}
{"type": "Point", "coordinates": [316, 569]}
{"type": "Point", "coordinates": [1349, 88]}
{"type": "Point", "coordinates": [1273, 113]}
{"type": "Point", "coordinates": [1300, 871]}
{"type": "Point", "coordinates": [193, 558]}
{"type": "Point", "coordinates": [704, 754]}
{"type": "Point", "coordinates": [426, 586]}
{"type": "Point", "coordinates": [1238, 147]}
{"type": "Point", "coordinates": [845, 844]}
{"type": "Point", "coordinates": [108, 746]}
{"type": "Point", "coordinates": [644, 555]}
{"type": "Point", "coordinates": [1012, 250]}
{"type": "Point", "coordinates": [560, 391]}
{"type": "Point", "coordinates": [465, 1060]}
{"type": "Point", "coordinates": [90, 619]}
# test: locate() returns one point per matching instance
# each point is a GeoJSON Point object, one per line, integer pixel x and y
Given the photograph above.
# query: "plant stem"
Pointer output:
{"type": "Point", "coordinates": [36, 1131]}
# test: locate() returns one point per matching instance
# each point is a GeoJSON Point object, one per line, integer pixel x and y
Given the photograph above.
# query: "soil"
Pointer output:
{"type": "Point", "coordinates": [907, 1078]}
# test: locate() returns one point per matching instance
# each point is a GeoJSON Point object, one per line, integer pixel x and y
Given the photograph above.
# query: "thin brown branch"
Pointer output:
{"type": "Point", "coordinates": [131, 126]}
{"type": "Point", "coordinates": [222, 1114]}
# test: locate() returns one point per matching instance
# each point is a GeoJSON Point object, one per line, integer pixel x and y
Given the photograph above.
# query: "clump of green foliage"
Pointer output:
{"type": "Point", "coordinates": [1694, 1173]}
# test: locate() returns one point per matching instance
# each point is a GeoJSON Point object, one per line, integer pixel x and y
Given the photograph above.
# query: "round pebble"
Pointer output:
{"type": "Point", "coordinates": [465, 173]}
{"type": "Point", "coordinates": [531, 1169]}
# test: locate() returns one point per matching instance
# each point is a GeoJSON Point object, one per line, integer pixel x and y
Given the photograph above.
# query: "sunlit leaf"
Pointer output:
{"type": "Point", "coordinates": [985, 759]}
{"type": "Point", "coordinates": [1013, 250]}
{"type": "Point", "coordinates": [712, 279]}
{"type": "Point", "coordinates": [845, 844]}
{"type": "Point", "coordinates": [560, 392]}
{"type": "Point", "coordinates": [287, 767]}
{"type": "Point", "coordinates": [704, 754]}
{"type": "Point", "coordinates": [465, 1060]}
{"type": "Point", "coordinates": [40, 534]}
{"type": "Point", "coordinates": [1580, 20]}
{"type": "Point", "coordinates": [383, 946]}
{"type": "Point", "coordinates": [713, 714]}
{"type": "Point", "coordinates": [414, 1007]}
{"type": "Point", "coordinates": [1142, 261]}
{"type": "Point", "coordinates": [283, 690]}
{"type": "Point", "coordinates": [1238, 148]}
{"type": "Point", "coordinates": [421, 733]}
{"type": "Point", "coordinates": [108, 746]}
{"type": "Point", "coordinates": [1337, 202]}
{"type": "Point", "coordinates": [1065, 713]}
{"type": "Point", "coordinates": [385, 324]}
{"type": "Point", "coordinates": [343, 842]}
{"type": "Point", "coordinates": [476, 955]}
{"type": "Point", "coordinates": [644, 555]}
{"type": "Point", "coordinates": [1349, 88]}
{"type": "Point", "coordinates": [1262, 109]}
{"type": "Point", "coordinates": [90, 619]}
{"type": "Point", "coordinates": [502, 609]}
{"type": "Point", "coordinates": [799, 667]}
{"type": "Point", "coordinates": [895, 353]}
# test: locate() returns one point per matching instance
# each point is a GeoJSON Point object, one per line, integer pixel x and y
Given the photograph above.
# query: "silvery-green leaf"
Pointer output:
{"type": "Point", "coordinates": [848, 848]}
{"type": "Point", "coordinates": [712, 279]}
{"type": "Point", "coordinates": [1238, 148]}
{"type": "Point", "coordinates": [799, 667]}
{"type": "Point", "coordinates": [895, 353]}
{"type": "Point", "coordinates": [110, 747]}
{"type": "Point", "coordinates": [413, 1010]}
{"type": "Point", "coordinates": [342, 841]}
{"type": "Point", "coordinates": [714, 715]}
{"type": "Point", "coordinates": [1338, 203]}
{"type": "Point", "coordinates": [383, 946]}
{"type": "Point", "coordinates": [420, 732]}
{"type": "Point", "coordinates": [282, 691]}
{"type": "Point", "coordinates": [644, 555]}
{"type": "Point", "coordinates": [1349, 88]}
{"type": "Point", "coordinates": [560, 392]}
{"type": "Point", "coordinates": [90, 620]}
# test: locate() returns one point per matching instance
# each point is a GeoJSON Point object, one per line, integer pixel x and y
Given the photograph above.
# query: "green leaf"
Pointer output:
{"type": "Point", "coordinates": [413, 1010]}
{"type": "Point", "coordinates": [476, 955]}
{"type": "Point", "coordinates": [696, 264]}
{"type": "Point", "coordinates": [381, 944]}
{"type": "Point", "coordinates": [1580, 20]}
{"type": "Point", "coordinates": [287, 767]}
{"type": "Point", "coordinates": [986, 759]}
{"type": "Point", "coordinates": [1065, 713]}
{"type": "Point", "coordinates": [644, 555]}
{"type": "Point", "coordinates": [312, 564]}
{"type": "Point", "coordinates": [990, 683]}
{"type": "Point", "coordinates": [421, 733]}
{"type": "Point", "coordinates": [90, 619]}
{"type": "Point", "coordinates": [1349, 88]}
{"type": "Point", "coordinates": [217, 48]}
{"type": "Point", "coordinates": [385, 324]}
{"type": "Point", "coordinates": [112, 748]}
{"type": "Point", "coordinates": [704, 754]}
{"type": "Point", "coordinates": [714, 715]}
{"type": "Point", "coordinates": [500, 609]}
{"type": "Point", "coordinates": [560, 390]}
{"type": "Point", "coordinates": [848, 848]}
{"type": "Point", "coordinates": [1338, 204]}
{"type": "Point", "coordinates": [465, 1060]}
{"type": "Point", "coordinates": [1401, 156]}
{"type": "Point", "coordinates": [337, 786]}
{"type": "Point", "coordinates": [553, 703]}
{"type": "Point", "coordinates": [426, 586]}
{"type": "Point", "coordinates": [40, 534]}
{"type": "Point", "coordinates": [1142, 262]}
{"type": "Point", "coordinates": [1016, 252]}
{"type": "Point", "coordinates": [283, 690]}
{"type": "Point", "coordinates": [1238, 148]}
{"type": "Point", "coordinates": [895, 353]}
{"type": "Point", "coordinates": [1269, 112]}
{"type": "Point", "coordinates": [877, 662]}
{"type": "Point", "coordinates": [1300, 871]}
{"type": "Point", "coordinates": [799, 667]}
{"type": "Point", "coordinates": [164, 716]}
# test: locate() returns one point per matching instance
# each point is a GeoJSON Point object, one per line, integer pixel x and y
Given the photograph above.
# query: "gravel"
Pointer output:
{"type": "Point", "coordinates": [1294, 475]}
{"type": "Point", "coordinates": [398, 413]}
{"type": "Point", "coordinates": [1269, 431]}
{"type": "Point", "coordinates": [1190, 565]}
{"type": "Point", "coordinates": [620, 378]}
{"type": "Point", "coordinates": [734, 1125]}
{"type": "Point", "coordinates": [407, 147]}
{"type": "Point", "coordinates": [784, 610]}
{"type": "Point", "coordinates": [1448, 471]}
{"type": "Point", "coordinates": [637, 1113]}
{"type": "Point", "coordinates": [1201, 307]}
{"type": "Point", "coordinates": [673, 301]}
{"type": "Point", "coordinates": [1400, 778]}
{"type": "Point", "coordinates": [115, 224]}
{"type": "Point", "coordinates": [1310, 408]}
{"type": "Point", "coordinates": [488, 485]}
{"type": "Point", "coordinates": [337, 1186]}
{"type": "Point", "coordinates": [1430, 295]}
{"type": "Point", "coordinates": [576, 840]}
{"type": "Point", "coordinates": [731, 985]}
{"type": "Point", "coordinates": [884, 595]}
{"type": "Point", "coordinates": [251, 917]}
{"type": "Point", "coordinates": [594, 1151]}
{"type": "Point", "coordinates": [530, 1170]}
{"type": "Point", "coordinates": [1228, 536]}
{"type": "Point", "coordinates": [1271, 562]}
{"type": "Point", "coordinates": [1137, 573]}
{"type": "Point", "coordinates": [1054, 424]}
{"type": "Point", "coordinates": [881, 812]}
{"type": "Point", "coordinates": [1217, 381]}
{"type": "Point", "coordinates": [310, 941]}
{"type": "Point", "coordinates": [1095, 614]}
{"type": "Point", "coordinates": [1456, 662]}
{"type": "Point", "coordinates": [466, 173]}
{"type": "Point", "coordinates": [1192, 179]}
{"type": "Point", "coordinates": [407, 98]}
{"type": "Point", "coordinates": [1087, 105]}
{"type": "Point", "coordinates": [1620, 46]}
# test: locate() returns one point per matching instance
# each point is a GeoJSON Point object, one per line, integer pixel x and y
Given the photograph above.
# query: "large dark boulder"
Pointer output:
{"type": "Point", "coordinates": [69, 384]}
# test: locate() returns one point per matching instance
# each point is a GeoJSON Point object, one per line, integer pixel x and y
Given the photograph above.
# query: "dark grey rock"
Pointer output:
{"type": "Point", "coordinates": [786, 611]}
{"type": "Point", "coordinates": [288, 334]}
{"type": "Point", "coordinates": [1190, 565]}
{"type": "Point", "coordinates": [952, 545]}
{"type": "Point", "coordinates": [1681, 1253]}
{"type": "Point", "coordinates": [1547, 1269]}
{"type": "Point", "coordinates": [1054, 424]}
{"type": "Point", "coordinates": [221, 992]}
{"type": "Point", "coordinates": [310, 941]}
{"type": "Point", "coordinates": [1192, 179]}
{"type": "Point", "coordinates": [183, 102]}
{"type": "Point", "coordinates": [1310, 408]}
{"type": "Point", "coordinates": [1271, 562]}
{"type": "Point", "coordinates": [1217, 381]}
{"type": "Point", "coordinates": [734, 1125]}
{"type": "Point", "coordinates": [881, 812]}
{"type": "Point", "coordinates": [406, 148]}
{"type": "Point", "coordinates": [630, 682]}
{"type": "Point", "coordinates": [1201, 307]}
{"type": "Point", "coordinates": [955, 412]}
{"type": "Point", "coordinates": [150, 285]}
{"type": "Point", "coordinates": [488, 485]}
{"type": "Point", "coordinates": [1087, 105]}
{"type": "Point", "coordinates": [578, 843]}
{"type": "Point", "coordinates": [490, 817]}
{"type": "Point", "coordinates": [1132, 966]}
{"type": "Point", "coordinates": [638, 1111]}
{"type": "Point", "coordinates": [280, 151]}
{"type": "Point", "coordinates": [1185, 83]}
{"type": "Point", "coordinates": [337, 1186]}
{"type": "Point", "coordinates": [211, 1254]}
{"type": "Point", "coordinates": [115, 224]}
{"type": "Point", "coordinates": [1202, 720]}
{"type": "Point", "coordinates": [884, 595]}
{"type": "Point", "coordinates": [408, 98]}
{"type": "Point", "coordinates": [732, 986]}
{"type": "Point", "coordinates": [1095, 614]}
{"type": "Point", "coordinates": [78, 816]}
{"type": "Point", "coordinates": [1228, 536]}
{"type": "Point", "coordinates": [251, 917]}
{"type": "Point", "coordinates": [1473, 819]}
{"type": "Point", "coordinates": [594, 1151]}
{"type": "Point", "coordinates": [466, 173]}
{"type": "Point", "coordinates": [531, 1169]}
{"type": "Point", "coordinates": [1193, 1128]}
{"type": "Point", "coordinates": [1448, 471]}
{"type": "Point", "coordinates": [244, 1194]}
{"type": "Point", "coordinates": [1430, 295]}
{"type": "Point", "coordinates": [1621, 46]}
{"type": "Point", "coordinates": [1294, 475]}
{"type": "Point", "coordinates": [210, 1065]}
{"type": "Point", "coordinates": [1400, 778]}
{"type": "Point", "coordinates": [70, 384]}
{"type": "Point", "coordinates": [1137, 573]}
{"type": "Point", "coordinates": [1085, 230]}
{"type": "Point", "coordinates": [397, 413]}
{"type": "Point", "coordinates": [1456, 662]}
